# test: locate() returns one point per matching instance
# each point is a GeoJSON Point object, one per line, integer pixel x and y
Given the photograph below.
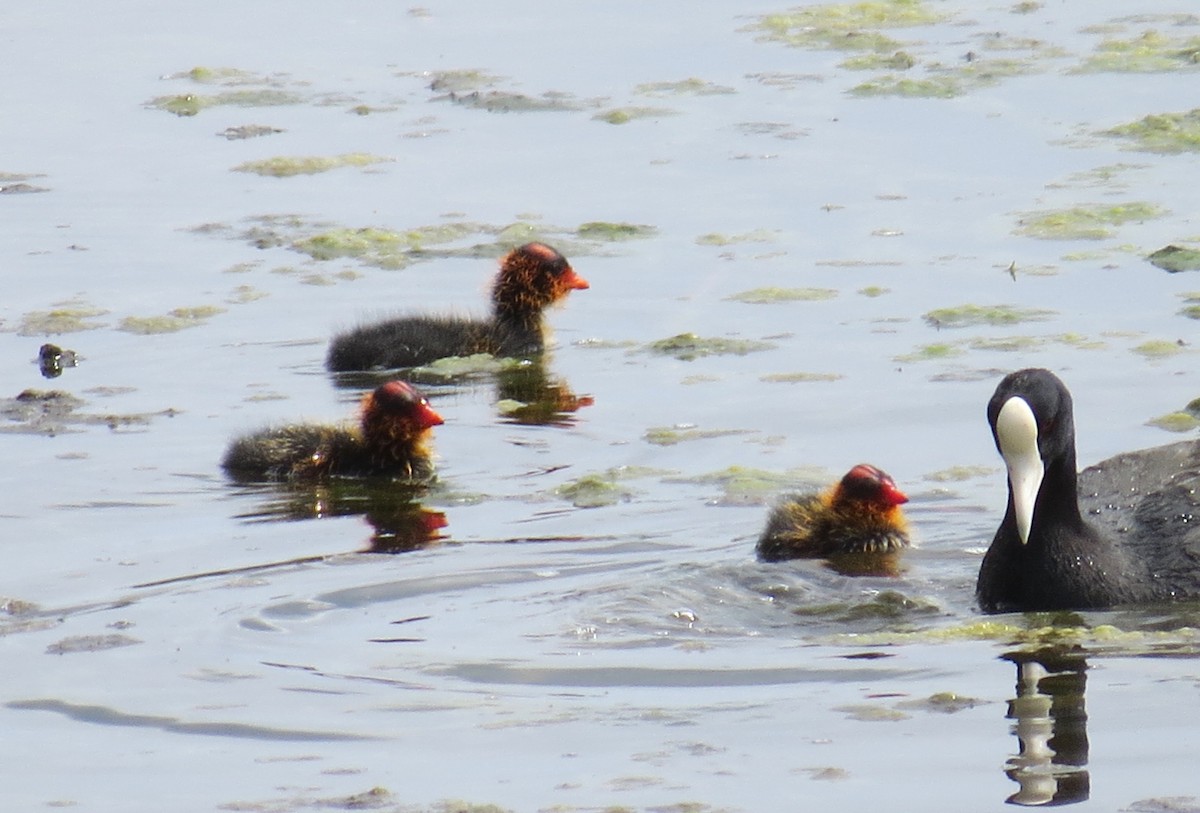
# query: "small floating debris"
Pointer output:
{"type": "Point", "coordinates": [248, 131]}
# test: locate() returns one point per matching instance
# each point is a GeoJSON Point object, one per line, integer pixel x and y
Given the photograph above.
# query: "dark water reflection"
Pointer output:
{"type": "Point", "coordinates": [399, 522]}
{"type": "Point", "coordinates": [526, 392]}
{"type": "Point", "coordinates": [1051, 727]}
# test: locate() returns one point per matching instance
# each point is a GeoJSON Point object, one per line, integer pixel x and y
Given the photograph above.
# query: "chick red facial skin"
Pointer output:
{"type": "Point", "coordinates": [398, 396]}
{"type": "Point", "coordinates": [870, 484]}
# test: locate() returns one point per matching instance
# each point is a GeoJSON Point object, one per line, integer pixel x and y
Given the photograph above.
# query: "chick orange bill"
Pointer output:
{"type": "Point", "coordinates": [573, 281]}
{"type": "Point", "coordinates": [426, 416]}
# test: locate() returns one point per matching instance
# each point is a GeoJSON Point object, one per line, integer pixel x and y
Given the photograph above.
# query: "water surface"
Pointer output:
{"type": "Point", "coordinates": [584, 626]}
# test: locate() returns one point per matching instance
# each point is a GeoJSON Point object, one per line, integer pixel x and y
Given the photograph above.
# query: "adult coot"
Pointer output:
{"type": "Point", "coordinates": [531, 278]}
{"type": "Point", "coordinates": [1142, 544]}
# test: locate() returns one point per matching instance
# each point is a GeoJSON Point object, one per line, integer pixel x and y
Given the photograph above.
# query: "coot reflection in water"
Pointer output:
{"type": "Point", "coordinates": [526, 392]}
{"type": "Point", "coordinates": [1144, 546]}
{"type": "Point", "coordinates": [1051, 728]}
{"type": "Point", "coordinates": [399, 522]}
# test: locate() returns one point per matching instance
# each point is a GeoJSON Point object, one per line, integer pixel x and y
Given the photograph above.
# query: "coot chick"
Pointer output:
{"type": "Point", "coordinates": [530, 279]}
{"type": "Point", "coordinates": [1046, 555]}
{"type": "Point", "coordinates": [860, 515]}
{"type": "Point", "coordinates": [391, 440]}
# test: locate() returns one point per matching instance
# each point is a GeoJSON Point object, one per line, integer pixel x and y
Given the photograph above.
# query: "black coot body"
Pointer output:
{"type": "Point", "coordinates": [531, 278]}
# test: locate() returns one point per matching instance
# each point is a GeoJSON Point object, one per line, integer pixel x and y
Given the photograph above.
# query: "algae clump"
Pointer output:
{"type": "Point", "coordinates": [672, 435]}
{"type": "Point", "coordinates": [936, 87]}
{"type": "Point", "coordinates": [930, 352]}
{"type": "Point", "coordinates": [612, 232]}
{"type": "Point", "coordinates": [689, 346]}
{"type": "Point", "coordinates": [969, 315]}
{"type": "Point", "coordinates": [190, 104]}
{"type": "Point", "coordinates": [797, 378]}
{"type": "Point", "coordinates": [692, 86]}
{"type": "Point", "coordinates": [1151, 52]}
{"type": "Point", "coordinates": [1176, 258]}
{"type": "Point", "coordinates": [1092, 222]}
{"type": "Point", "coordinates": [1158, 349]}
{"type": "Point", "coordinates": [593, 491]}
{"type": "Point", "coordinates": [288, 166]}
{"type": "Point", "coordinates": [764, 296]}
{"type": "Point", "coordinates": [845, 26]}
{"type": "Point", "coordinates": [624, 115]}
{"type": "Point", "coordinates": [177, 319]}
{"type": "Point", "coordinates": [1175, 422]}
{"type": "Point", "coordinates": [1162, 132]}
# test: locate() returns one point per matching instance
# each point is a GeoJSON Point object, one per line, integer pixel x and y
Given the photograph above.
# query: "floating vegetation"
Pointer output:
{"type": "Point", "coordinates": [288, 166]}
{"type": "Point", "coordinates": [1092, 222]}
{"type": "Point", "coordinates": [190, 104]}
{"type": "Point", "coordinates": [51, 412]}
{"type": "Point", "coordinates": [685, 87]}
{"type": "Point", "coordinates": [1037, 630]}
{"type": "Point", "coordinates": [899, 61]}
{"type": "Point", "coordinates": [462, 81]}
{"type": "Point", "coordinates": [1176, 421]}
{"type": "Point", "coordinates": [867, 713]}
{"type": "Point", "coordinates": [1008, 344]}
{"type": "Point", "coordinates": [873, 291]}
{"type": "Point", "coordinates": [1109, 176]}
{"type": "Point", "coordinates": [248, 131]}
{"type": "Point", "coordinates": [68, 318]}
{"type": "Point", "coordinates": [756, 236]}
{"type": "Point", "coordinates": [932, 87]}
{"type": "Point", "coordinates": [178, 319]}
{"type": "Point", "coordinates": [594, 491]}
{"type": "Point", "coordinates": [613, 232]}
{"type": "Point", "coordinates": [1192, 309]}
{"type": "Point", "coordinates": [931, 352]}
{"type": "Point", "coordinates": [455, 368]}
{"type": "Point", "coordinates": [382, 248]}
{"type": "Point", "coordinates": [1158, 349]}
{"type": "Point", "coordinates": [746, 486]}
{"type": "Point", "coordinates": [1162, 132]}
{"type": "Point", "coordinates": [799, 378]}
{"type": "Point", "coordinates": [219, 76]}
{"type": "Point", "coordinates": [500, 101]}
{"type": "Point", "coordinates": [1176, 258]}
{"type": "Point", "coordinates": [90, 643]}
{"type": "Point", "coordinates": [845, 26]}
{"type": "Point", "coordinates": [971, 315]}
{"type": "Point", "coordinates": [1151, 52]}
{"type": "Point", "coordinates": [14, 183]}
{"type": "Point", "coordinates": [394, 249]}
{"type": "Point", "coordinates": [766, 296]}
{"type": "Point", "coordinates": [624, 115]}
{"type": "Point", "coordinates": [958, 474]}
{"type": "Point", "coordinates": [671, 435]}
{"type": "Point", "coordinates": [245, 293]}
{"type": "Point", "coordinates": [689, 346]}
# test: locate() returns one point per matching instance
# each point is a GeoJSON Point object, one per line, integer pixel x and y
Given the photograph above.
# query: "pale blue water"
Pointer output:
{"type": "Point", "coordinates": [167, 643]}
